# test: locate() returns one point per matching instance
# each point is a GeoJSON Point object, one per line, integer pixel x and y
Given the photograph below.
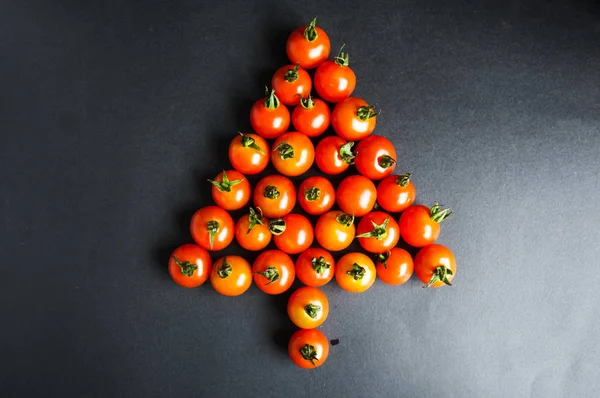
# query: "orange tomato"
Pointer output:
{"type": "Point", "coordinates": [230, 190]}
{"type": "Point", "coordinates": [335, 230]}
{"type": "Point", "coordinates": [308, 46]}
{"type": "Point", "coordinates": [396, 193]}
{"type": "Point", "coordinates": [420, 225]}
{"type": "Point", "coordinates": [308, 307]}
{"type": "Point", "coordinates": [189, 265]}
{"type": "Point", "coordinates": [273, 272]}
{"type": "Point", "coordinates": [316, 195]}
{"type": "Point", "coordinates": [311, 117]}
{"type": "Point", "coordinates": [212, 228]}
{"type": "Point", "coordinates": [249, 153]}
{"type": "Point", "coordinates": [275, 195]}
{"type": "Point", "coordinates": [353, 119]}
{"type": "Point", "coordinates": [293, 234]}
{"type": "Point", "coordinates": [355, 272]}
{"type": "Point", "coordinates": [293, 153]}
{"type": "Point", "coordinates": [377, 232]}
{"type": "Point", "coordinates": [268, 117]}
{"type": "Point", "coordinates": [356, 195]}
{"type": "Point", "coordinates": [435, 266]}
{"type": "Point", "coordinates": [308, 348]}
{"type": "Point", "coordinates": [231, 275]}
{"type": "Point", "coordinates": [252, 231]}
{"type": "Point", "coordinates": [334, 155]}
{"type": "Point", "coordinates": [394, 267]}
{"type": "Point", "coordinates": [315, 267]}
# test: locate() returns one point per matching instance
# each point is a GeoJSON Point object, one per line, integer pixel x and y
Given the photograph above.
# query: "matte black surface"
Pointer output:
{"type": "Point", "coordinates": [112, 117]}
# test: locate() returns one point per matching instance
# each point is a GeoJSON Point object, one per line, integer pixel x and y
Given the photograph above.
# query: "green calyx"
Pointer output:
{"type": "Point", "coordinates": [438, 214]}
{"type": "Point", "coordinates": [310, 33]}
{"type": "Point", "coordinates": [342, 57]}
{"type": "Point", "coordinates": [212, 227]}
{"type": "Point", "coordinates": [357, 272]}
{"type": "Point", "coordinates": [249, 142]}
{"type": "Point", "coordinates": [441, 273]}
{"type": "Point", "coordinates": [312, 310]}
{"type": "Point", "coordinates": [277, 226]}
{"type": "Point", "coordinates": [379, 232]}
{"type": "Point", "coordinates": [271, 100]}
{"type": "Point", "coordinates": [386, 161]}
{"type": "Point", "coordinates": [254, 218]}
{"type": "Point", "coordinates": [364, 113]}
{"type": "Point", "coordinates": [270, 273]}
{"type": "Point", "coordinates": [309, 353]}
{"type": "Point", "coordinates": [346, 153]}
{"type": "Point", "coordinates": [307, 103]}
{"type": "Point", "coordinates": [187, 268]}
{"type": "Point", "coordinates": [383, 258]}
{"type": "Point", "coordinates": [271, 192]}
{"type": "Point", "coordinates": [345, 219]}
{"type": "Point", "coordinates": [286, 151]}
{"type": "Point", "coordinates": [224, 269]}
{"type": "Point", "coordinates": [292, 74]}
{"type": "Point", "coordinates": [225, 185]}
{"type": "Point", "coordinates": [319, 264]}
{"type": "Point", "coordinates": [312, 194]}
{"type": "Point", "coordinates": [403, 179]}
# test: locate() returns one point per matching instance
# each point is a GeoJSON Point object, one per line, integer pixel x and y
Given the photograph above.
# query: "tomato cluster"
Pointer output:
{"type": "Point", "coordinates": [373, 194]}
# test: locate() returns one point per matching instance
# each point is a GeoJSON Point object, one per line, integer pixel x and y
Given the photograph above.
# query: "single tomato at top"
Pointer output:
{"type": "Point", "coordinates": [268, 117]}
{"type": "Point", "coordinates": [293, 233]}
{"type": "Point", "coordinates": [212, 228]}
{"type": "Point", "coordinates": [230, 190]}
{"type": "Point", "coordinates": [355, 272]}
{"type": "Point", "coordinates": [291, 83]}
{"type": "Point", "coordinates": [334, 155]}
{"type": "Point", "coordinates": [231, 275]}
{"type": "Point", "coordinates": [395, 266]}
{"type": "Point", "coordinates": [293, 153]}
{"type": "Point", "coordinates": [273, 272]}
{"type": "Point", "coordinates": [316, 195]}
{"type": "Point", "coordinates": [377, 232]}
{"type": "Point", "coordinates": [308, 307]}
{"type": "Point", "coordinates": [308, 348]}
{"type": "Point", "coordinates": [353, 119]}
{"type": "Point", "coordinates": [252, 230]}
{"type": "Point", "coordinates": [435, 266]}
{"type": "Point", "coordinates": [396, 193]}
{"type": "Point", "coordinates": [375, 157]}
{"type": "Point", "coordinates": [311, 117]}
{"type": "Point", "coordinates": [189, 265]}
{"type": "Point", "coordinates": [308, 46]}
{"type": "Point", "coordinates": [356, 195]}
{"type": "Point", "coordinates": [335, 230]}
{"type": "Point", "coordinates": [334, 80]}
{"type": "Point", "coordinates": [275, 195]}
{"type": "Point", "coordinates": [249, 153]}
{"type": "Point", "coordinates": [420, 225]}
{"type": "Point", "coordinates": [315, 267]}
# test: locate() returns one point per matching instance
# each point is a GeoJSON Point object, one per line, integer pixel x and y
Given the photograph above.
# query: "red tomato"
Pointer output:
{"type": "Point", "coordinates": [252, 231]}
{"type": "Point", "coordinates": [375, 157]}
{"type": "Point", "coordinates": [315, 267]}
{"type": "Point", "coordinates": [308, 307]}
{"type": "Point", "coordinates": [355, 272]}
{"type": "Point", "coordinates": [396, 193]}
{"type": "Point", "coordinates": [249, 153]}
{"type": "Point", "coordinates": [335, 230]}
{"type": "Point", "coordinates": [394, 267]}
{"type": "Point", "coordinates": [316, 195]}
{"type": "Point", "coordinates": [378, 232]}
{"type": "Point", "coordinates": [293, 233]}
{"type": "Point", "coordinates": [420, 225]}
{"type": "Point", "coordinates": [308, 46]}
{"type": "Point", "coordinates": [212, 228]}
{"type": "Point", "coordinates": [311, 116]}
{"type": "Point", "coordinates": [293, 153]}
{"type": "Point", "coordinates": [231, 276]}
{"type": "Point", "coordinates": [353, 119]}
{"type": "Point", "coordinates": [231, 190]}
{"type": "Point", "coordinates": [275, 195]}
{"type": "Point", "coordinates": [435, 266]}
{"type": "Point", "coordinates": [356, 195]}
{"type": "Point", "coordinates": [334, 80]}
{"type": "Point", "coordinates": [291, 82]}
{"type": "Point", "coordinates": [189, 265]}
{"type": "Point", "coordinates": [273, 272]}
{"type": "Point", "coordinates": [308, 348]}
{"type": "Point", "coordinates": [334, 155]}
{"type": "Point", "coordinates": [268, 117]}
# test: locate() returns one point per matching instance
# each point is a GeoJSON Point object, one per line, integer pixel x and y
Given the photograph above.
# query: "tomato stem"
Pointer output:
{"type": "Point", "coordinates": [212, 227]}
{"type": "Point", "coordinates": [366, 112]}
{"type": "Point", "coordinates": [271, 100]}
{"type": "Point", "coordinates": [292, 74]}
{"type": "Point", "coordinates": [187, 268]}
{"type": "Point", "coordinates": [309, 353]}
{"type": "Point", "coordinates": [441, 273]}
{"type": "Point", "coordinates": [270, 273]}
{"type": "Point", "coordinates": [307, 103]}
{"type": "Point", "coordinates": [386, 161]}
{"type": "Point", "coordinates": [342, 57]}
{"type": "Point", "coordinates": [438, 214]}
{"type": "Point", "coordinates": [254, 218]}
{"type": "Point", "coordinates": [403, 179]}
{"type": "Point", "coordinates": [224, 269]}
{"type": "Point", "coordinates": [312, 194]}
{"type": "Point", "coordinates": [249, 142]}
{"type": "Point", "coordinates": [319, 264]}
{"type": "Point", "coordinates": [379, 231]}
{"type": "Point", "coordinates": [310, 33]}
{"type": "Point", "coordinates": [346, 153]}
{"type": "Point", "coordinates": [345, 219]}
{"type": "Point", "coordinates": [357, 272]}
{"type": "Point", "coordinates": [277, 226]}
{"type": "Point", "coordinates": [383, 258]}
{"type": "Point", "coordinates": [312, 310]}
{"type": "Point", "coordinates": [286, 151]}
{"type": "Point", "coordinates": [225, 185]}
{"type": "Point", "coordinates": [271, 192]}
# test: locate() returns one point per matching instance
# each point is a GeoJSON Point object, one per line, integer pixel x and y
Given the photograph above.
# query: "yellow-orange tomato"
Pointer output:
{"type": "Point", "coordinates": [308, 307]}
{"type": "Point", "coordinates": [355, 272]}
{"type": "Point", "coordinates": [335, 230]}
{"type": "Point", "coordinates": [231, 275]}
{"type": "Point", "coordinates": [252, 231]}
{"type": "Point", "coordinates": [293, 153]}
{"type": "Point", "coordinates": [249, 153]}
{"type": "Point", "coordinates": [230, 190]}
{"type": "Point", "coordinates": [353, 119]}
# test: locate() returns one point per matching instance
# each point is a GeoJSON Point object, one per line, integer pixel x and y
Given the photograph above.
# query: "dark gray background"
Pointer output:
{"type": "Point", "coordinates": [112, 117]}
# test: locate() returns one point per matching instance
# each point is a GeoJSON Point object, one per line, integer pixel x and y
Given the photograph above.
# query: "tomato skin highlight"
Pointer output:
{"type": "Point", "coordinates": [346, 122]}
{"type": "Point", "coordinates": [315, 267]}
{"type": "Point", "coordinates": [189, 265]}
{"type": "Point", "coordinates": [420, 225]}
{"type": "Point", "coordinates": [315, 314]}
{"type": "Point", "coordinates": [375, 157]}
{"type": "Point", "coordinates": [334, 82]}
{"type": "Point", "coordinates": [316, 195]}
{"type": "Point", "coordinates": [231, 276]}
{"type": "Point", "coordinates": [268, 117]}
{"type": "Point", "coordinates": [298, 234]}
{"type": "Point", "coordinates": [231, 190]}
{"type": "Point", "coordinates": [431, 257]}
{"type": "Point", "coordinates": [355, 272]}
{"type": "Point", "coordinates": [384, 237]}
{"type": "Point", "coordinates": [212, 221]}
{"type": "Point", "coordinates": [396, 268]}
{"type": "Point", "coordinates": [329, 158]}
{"type": "Point", "coordinates": [312, 121]}
{"type": "Point", "coordinates": [289, 92]}
{"type": "Point", "coordinates": [253, 237]}
{"type": "Point", "coordinates": [273, 272]}
{"type": "Point", "coordinates": [293, 153]}
{"type": "Point", "coordinates": [396, 193]}
{"type": "Point", "coordinates": [309, 54]}
{"type": "Point", "coordinates": [335, 230]}
{"type": "Point", "coordinates": [275, 195]}
{"type": "Point", "coordinates": [249, 153]}
{"type": "Point", "coordinates": [356, 195]}
{"type": "Point", "coordinates": [311, 343]}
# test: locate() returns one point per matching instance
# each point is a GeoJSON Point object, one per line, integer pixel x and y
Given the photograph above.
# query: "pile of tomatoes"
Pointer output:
{"type": "Point", "coordinates": [292, 153]}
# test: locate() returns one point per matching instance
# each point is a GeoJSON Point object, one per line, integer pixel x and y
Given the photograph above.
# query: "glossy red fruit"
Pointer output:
{"type": "Point", "coordinates": [268, 117]}
{"type": "Point", "coordinates": [334, 80]}
{"type": "Point", "coordinates": [311, 117]}
{"type": "Point", "coordinates": [334, 155]}
{"type": "Point", "coordinates": [291, 83]}
{"type": "Point", "coordinates": [308, 46]}
{"type": "Point", "coordinates": [378, 232]}
{"type": "Point", "coordinates": [375, 157]}
{"type": "Point", "coordinates": [396, 193]}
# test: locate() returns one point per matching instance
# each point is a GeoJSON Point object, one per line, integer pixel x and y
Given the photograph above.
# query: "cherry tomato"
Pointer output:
{"type": "Point", "coordinates": [353, 119]}
{"type": "Point", "coordinates": [252, 231]}
{"type": "Point", "coordinates": [394, 267]}
{"type": "Point", "coordinates": [334, 155]}
{"type": "Point", "coordinates": [268, 117]}
{"type": "Point", "coordinates": [293, 153]}
{"type": "Point", "coordinates": [311, 116]}
{"type": "Point", "coordinates": [231, 275]}
{"type": "Point", "coordinates": [291, 82]}
{"type": "Point", "coordinates": [293, 233]}
{"type": "Point", "coordinates": [315, 267]}
{"type": "Point", "coordinates": [249, 153]}
{"type": "Point", "coordinates": [316, 195]}
{"type": "Point", "coordinates": [375, 157]}
{"type": "Point", "coordinates": [273, 272]}
{"type": "Point", "coordinates": [377, 232]}
{"type": "Point", "coordinates": [355, 272]}
{"type": "Point", "coordinates": [275, 195]}
{"type": "Point", "coordinates": [335, 230]}
{"type": "Point", "coordinates": [308, 46]}
{"type": "Point", "coordinates": [420, 225]}
{"type": "Point", "coordinates": [189, 265]}
{"type": "Point", "coordinates": [231, 190]}
{"type": "Point", "coordinates": [356, 195]}
{"type": "Point", "coordinates": [308, 348]}
{"type": "Point", "coordinates": [435, 266]}
{"type": "Point", "coordinates": [308, 307]}
{"type": "Point", "coordinates": [334, 80]}
{"type": "Point", "coordinates": [212, 228]}
{"type": "Point", "coordinates": [396, 193]}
